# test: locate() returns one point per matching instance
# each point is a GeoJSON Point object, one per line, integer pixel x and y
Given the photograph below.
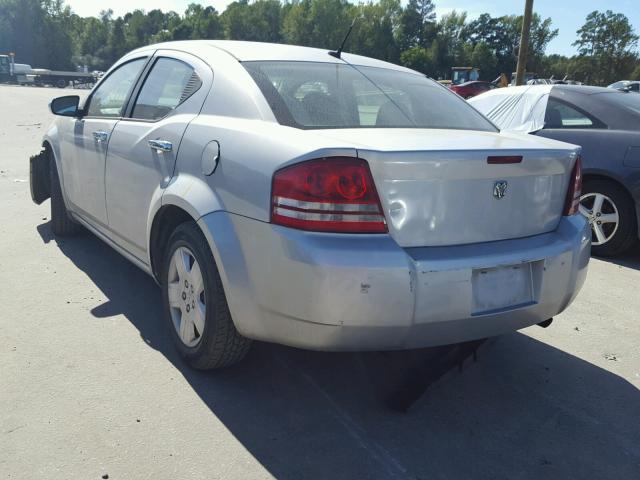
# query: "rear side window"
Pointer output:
{"type": "Point", "coordinates": [561, 115]}
{"type": "Point", "coordinates": [169, 83]}
{"type": "Point", "coordinates": [314, 95]}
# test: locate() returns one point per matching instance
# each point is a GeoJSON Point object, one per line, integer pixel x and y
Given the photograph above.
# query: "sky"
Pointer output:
{"type": "Point", "coordinates": [567, 15]}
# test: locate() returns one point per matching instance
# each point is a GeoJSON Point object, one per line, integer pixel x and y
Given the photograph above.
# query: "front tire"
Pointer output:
{"type": "Point", "coordinates": [61, 222]}
{"type": "Point", "coordinates": [195, 305]}
{"type": "Point", "coordinates": [612, 217]}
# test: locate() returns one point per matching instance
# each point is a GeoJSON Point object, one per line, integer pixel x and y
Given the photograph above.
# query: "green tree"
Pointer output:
{"type": "Point", "coordinates": [502, 36]}
{"type": "Point", "coordinates": [452, 40]}
{"type": "Point", "coordinates": [607, 42]}
{"type": "Point", "coordinates": [606, 33]}
{"type": "Point", "coordinates": [91, 36]}
{"type": "Point", "coordinates": [202, 22]}
{"type": "Point", "coordinates": [373, 33]}
{"type": "Point", "coordinates": [421, 59]}
{"type": "Point", "coordinates": [54, 40]}
{"type": "Point", "coordinates": [117, 43]}
{"type": "Point", "coordinates": [417, 23]}
{"type": "Point", "coordinates": [37, 31]}
{"type": "Point", "coordinates": [483, 57]}
{"type": "Point", "coordinates": [540, 36]}
{"type": "Point", "coordinates": [259, 21]}
{"type": "Point", "coordinates": [555, 65]}
{"type": "Point", "coordinates": [45, 33]}
{"type": "Point", "coordinates": [317, 23]}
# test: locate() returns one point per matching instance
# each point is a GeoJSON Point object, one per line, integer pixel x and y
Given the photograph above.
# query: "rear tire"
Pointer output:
{"type": "Point", "coordinates": [196, 287]}
{"type": "Point", "coordinates": [620, 237]}
{"type": "Point", "coordinates": [61, 222]}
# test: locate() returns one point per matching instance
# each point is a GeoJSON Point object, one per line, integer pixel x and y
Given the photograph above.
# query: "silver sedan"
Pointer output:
{"type": "Point", "coordinates": [324, 201]}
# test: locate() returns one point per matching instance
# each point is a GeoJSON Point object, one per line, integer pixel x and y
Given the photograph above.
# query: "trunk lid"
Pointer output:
{"type": "Point", "coordinates": [437, 187]}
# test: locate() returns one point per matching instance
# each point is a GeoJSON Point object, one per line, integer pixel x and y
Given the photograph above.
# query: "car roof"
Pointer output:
{"type": "Point", "coordinates": [546, 88]}
{"type": "Point", "coordinates": [523, 108]}
{"type": "Point", "coordinates": [245, 51]}
{"type": "Point", "coordinates": [583, 89]}
{"type": "Point", "coordinates": [536, 90]}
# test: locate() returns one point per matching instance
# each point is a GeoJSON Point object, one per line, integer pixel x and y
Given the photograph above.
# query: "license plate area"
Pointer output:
{"type": "Point", "coordinates": [502, 288]}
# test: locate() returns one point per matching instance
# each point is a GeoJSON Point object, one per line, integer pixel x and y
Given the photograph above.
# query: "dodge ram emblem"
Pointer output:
{"type": "Point", "coordinates": [500, 189]}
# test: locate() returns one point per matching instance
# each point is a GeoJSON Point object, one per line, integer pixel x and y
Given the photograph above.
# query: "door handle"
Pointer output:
{"type": "Point", "coordinates": [161, 145]}
{"type": "Point", "coordinates": [100, 136]}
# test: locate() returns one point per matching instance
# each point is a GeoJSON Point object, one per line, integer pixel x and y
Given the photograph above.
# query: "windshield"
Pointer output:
{"type": "Point", "coordinates": [329, 95]}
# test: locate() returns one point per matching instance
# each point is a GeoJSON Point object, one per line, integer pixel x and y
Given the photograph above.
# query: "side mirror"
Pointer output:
{"type": "Point", "coordinates": [65, 106]}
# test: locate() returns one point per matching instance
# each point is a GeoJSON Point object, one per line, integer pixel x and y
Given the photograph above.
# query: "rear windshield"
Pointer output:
{"type": "Point", "coordinates": [313, 95]}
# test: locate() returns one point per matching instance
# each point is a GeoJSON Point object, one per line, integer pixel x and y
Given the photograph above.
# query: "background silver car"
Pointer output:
{"type": "Point", "coordinates": [283, 194]}
{"type": "Point", "coordinates": [626, 85]}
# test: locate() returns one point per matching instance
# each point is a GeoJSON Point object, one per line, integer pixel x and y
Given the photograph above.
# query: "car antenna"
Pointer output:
{"type": "Point", "coordinates": [337, 53]}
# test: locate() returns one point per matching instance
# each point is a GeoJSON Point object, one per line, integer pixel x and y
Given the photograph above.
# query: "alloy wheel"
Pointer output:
{"type": "Point", "coordinates": [602, 214]}
{"type": "Point", "coordinates": [187, 301]}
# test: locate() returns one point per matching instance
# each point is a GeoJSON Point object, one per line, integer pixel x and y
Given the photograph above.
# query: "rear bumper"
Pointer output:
{"type": "Point", "coordinates": [364, 292]}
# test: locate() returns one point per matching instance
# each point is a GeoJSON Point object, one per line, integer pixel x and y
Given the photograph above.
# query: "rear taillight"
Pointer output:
{"type": "Point", "coordinates": [327, 195]}
{"type": "Point", "coordinates": [572, 202]}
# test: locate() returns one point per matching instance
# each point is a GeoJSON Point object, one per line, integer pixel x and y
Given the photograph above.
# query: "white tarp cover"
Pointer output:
{"type": "Point", "coordinates": [515, 109]}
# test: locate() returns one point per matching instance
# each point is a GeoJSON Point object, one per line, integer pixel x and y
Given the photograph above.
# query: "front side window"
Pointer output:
{"type": "Point", "coordinates": [108, 100]}
{"type": "Point", "coordinates": [329, 95]}
{"type": "Point", "coordinates": [169, 83]}
{"type": "Point", "coordinates": [561, 115]}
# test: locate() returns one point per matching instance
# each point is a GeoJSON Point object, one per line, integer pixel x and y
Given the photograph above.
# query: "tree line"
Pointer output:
{"type": "Point", "coordinates": [47, 34]}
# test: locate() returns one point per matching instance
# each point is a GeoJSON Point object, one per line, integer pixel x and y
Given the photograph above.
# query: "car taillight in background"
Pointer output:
{"type": "Point", "coordinates": [333, 194]}
{"type": "Point", "coordinates": [572, 202]}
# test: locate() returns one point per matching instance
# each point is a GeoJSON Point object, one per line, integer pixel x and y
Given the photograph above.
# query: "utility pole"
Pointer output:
{"type": "Point", "coordinates": [524, 42]}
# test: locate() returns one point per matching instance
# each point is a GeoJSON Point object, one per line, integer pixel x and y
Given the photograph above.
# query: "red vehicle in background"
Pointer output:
{"type": "Point", "coordinates": [471, 89]}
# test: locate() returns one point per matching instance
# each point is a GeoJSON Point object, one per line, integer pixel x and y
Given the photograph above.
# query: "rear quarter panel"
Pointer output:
{"type": "Point", "coordinates": [606, 153]}
{"type": "Point", "coordinates": [250, 152]}
{"type": "Point", "coordinates": [601, 149]}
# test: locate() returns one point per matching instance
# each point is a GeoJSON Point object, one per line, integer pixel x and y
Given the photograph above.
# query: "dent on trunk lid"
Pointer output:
{"type": "Point", "coordinates": [435, 198]}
